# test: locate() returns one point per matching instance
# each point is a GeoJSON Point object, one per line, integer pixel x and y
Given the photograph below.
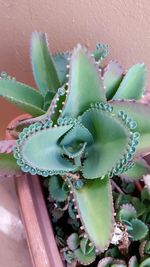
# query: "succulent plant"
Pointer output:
{"type": "Point", "coordinates": [119, 263]}
{"type": "Point", "coordinates": [91, 130]}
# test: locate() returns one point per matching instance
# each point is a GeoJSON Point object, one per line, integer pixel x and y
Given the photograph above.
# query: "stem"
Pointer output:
{"type": "Point", "coordinates": [77, 161]}
{"type": "Point", "coordinates": [117, 187]}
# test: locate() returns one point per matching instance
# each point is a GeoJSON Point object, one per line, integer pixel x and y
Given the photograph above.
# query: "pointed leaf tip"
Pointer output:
{"type": "Point", "coordinates": [45, 73]}
{"type": "Point", "coordinates": [98, 222]}
{"type": "Point", "coordinates": [85, 85]}
{"type": "Point", "coordinates": [139, 112]}
{"type": "Point", "coordinates": [113, 75]}
{"type": "Point", "coordinates": [23, 96]}
{"type": "Point", "coordinates": [133, 83]}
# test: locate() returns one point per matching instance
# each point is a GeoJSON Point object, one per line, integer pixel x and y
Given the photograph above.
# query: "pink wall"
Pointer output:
{"type": "Point", "coordinates": [124, 25]}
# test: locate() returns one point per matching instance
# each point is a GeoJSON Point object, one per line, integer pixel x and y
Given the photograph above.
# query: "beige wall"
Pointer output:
{"type": "Point", "coordinates": [123, 24]}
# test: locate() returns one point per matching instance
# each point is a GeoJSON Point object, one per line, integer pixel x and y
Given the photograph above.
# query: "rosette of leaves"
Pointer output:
{"type": "Point", "coordinates": [49, 71]}
{"type": "Point", "coordinates": [136, 228]}
{"type": "Point", "coordinates": [84, 132]}
{"type": "Point", "coordinates": [133, 262]}
{"type": "Point", "coordinates": [81, 250]}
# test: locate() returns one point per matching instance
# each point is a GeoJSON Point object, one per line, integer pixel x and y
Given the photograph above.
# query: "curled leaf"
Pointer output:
{"type": "Point", "coordinates": [57, 188]}
{"type": "Point", "coordinates": [73, 241]}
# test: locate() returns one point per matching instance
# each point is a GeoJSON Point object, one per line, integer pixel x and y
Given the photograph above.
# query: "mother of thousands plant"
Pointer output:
{"type": "Point", "coordinates": [89, 130]}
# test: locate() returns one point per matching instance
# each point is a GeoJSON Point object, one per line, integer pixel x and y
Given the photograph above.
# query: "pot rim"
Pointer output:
{"type": "Point", "coordinates": [12, 123]}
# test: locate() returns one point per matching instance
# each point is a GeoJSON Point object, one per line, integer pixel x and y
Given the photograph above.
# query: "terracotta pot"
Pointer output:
{"type": "Point", "coordinates": [39, 233]}
{"type": "Point", "coordinates": [22, 117]}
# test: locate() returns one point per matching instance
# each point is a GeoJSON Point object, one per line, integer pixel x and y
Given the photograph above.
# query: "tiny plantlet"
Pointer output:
{"type": "Point", "coordinates": [86, 139]}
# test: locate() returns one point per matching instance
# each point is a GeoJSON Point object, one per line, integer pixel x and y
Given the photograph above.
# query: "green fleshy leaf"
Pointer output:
{"type": "Point", "coordinates": [56, 104]}
{"type": "Point", "coordinates": [43, 67]}
{"type": "Point", "coordinates": [113, 75]}
{"type": "Point", "coordinates": [84, 259]}
{"type": "Point", "coordinates": [122, 199]}
{"type": "Point", "coordinates": [110, 262]}
{"type": "Point", "coordinates": [69, 257]}
{"type": "Point", "coordinates": [112, 252]}
{"type": "Point", "coordinates": [75, 140]}
{"type": "Point", "coordinates": [23, 96]}
{"type": "Point", "coordinates": [107, 131]}
{"type": "Point", "coordinates": [139, 206]}
{"type": "Point", "coordinates": [41, 152]}
{"type": "Point", "coordinates": [8, 166]}
{"type": "Point", "coordinates": [61, 61]}
{"type": "Point", "coordinates": [75, 152]}
{"type": "Point", "coordinates": [73, 241]}
{"type": "Point", "coordinates": [48, 99]}
{"type": "Point", "coordinates": [94, 202]}
{"type": "Point", "coordinates": [133, 262]}
{"type": "Point", "coordinates": [139, 230]}
{"type": "Point", "coordinates": [100, 52]}
{"type": "Point", "coordinates": [84, 245]}
{"type": "Point", "coordinates": [145, 195]}
{"type": "Point", "coordinates": [85, 86]}
{"type": "Point", "coordinates": [145, 263]}
{"type": "Point", "coordinates": [132, 86]}
{"type": "Point", "coordinates": [139, 112]}
{"type": "Point", "coordinates": [146, 215]}
{"type": "Point", "coordinates": [57, 189]}
{"type": "Point", "coordinates": [147, 248]}
{"type": "Point", "coordinates": [72, 212]}
{"type": "Point", "coordinates": [127, 212]}
{"type": "Point", "coordinates": [128, 188]}
{"type": "Point", "coordinates": [139, 169]}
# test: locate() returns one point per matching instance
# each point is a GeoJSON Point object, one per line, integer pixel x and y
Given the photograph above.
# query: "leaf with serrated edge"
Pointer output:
{"type": "Point", "coordinates": [23, 96]}
{"type": "Point", "coordinates": [139, 230]}
{"type": "Point", "coordinates": [145, 263]}
{"type": "Point", "coordinates": [84, 245]}
{"type": "Point", "coordinates": [61, 61]}
{"type": "Point", "coordinates": [8, 166]}
{"type": "Point", "coordinates": [84, 259]}
{"type": "Point", "coordinates": [127, 212]}
{"type": "Point", "coordinates": [108, 132]}
{"type": "Point", "coordinates": [139, 169]}
{"type": "Point", "coordinates": [85, 85]}
{"type": "Point", "coordinates": [75, 141]}
{"type": "Point", "coordinates": [100, 52]}
{"type": "Point", "coordinates": [113, 75]}
{"type": "Point", "coordinates": [6, 146]}
{"type": "Point", "coordinates": [73, 241]}
{"type": "Point", "coordinates": [43, 67]}
{"type": "Point", "coordinates": [132, 86]}
{"type": "Point", "coordinates": [139, 112]}
{"type": "Point", "coordinates": [95, 207]}
{"type": "Point", "coordinates": [41, 150]}
{"type": "Point", "coordinates": [56, 189]}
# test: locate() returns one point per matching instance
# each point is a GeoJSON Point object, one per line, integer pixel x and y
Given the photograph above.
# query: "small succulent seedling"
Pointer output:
{"type": "Point", "coordinates": [93, 128]}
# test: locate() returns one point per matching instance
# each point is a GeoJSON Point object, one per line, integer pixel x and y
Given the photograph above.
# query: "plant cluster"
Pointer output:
{"type": "Point", "coordinates": [87, 137]}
